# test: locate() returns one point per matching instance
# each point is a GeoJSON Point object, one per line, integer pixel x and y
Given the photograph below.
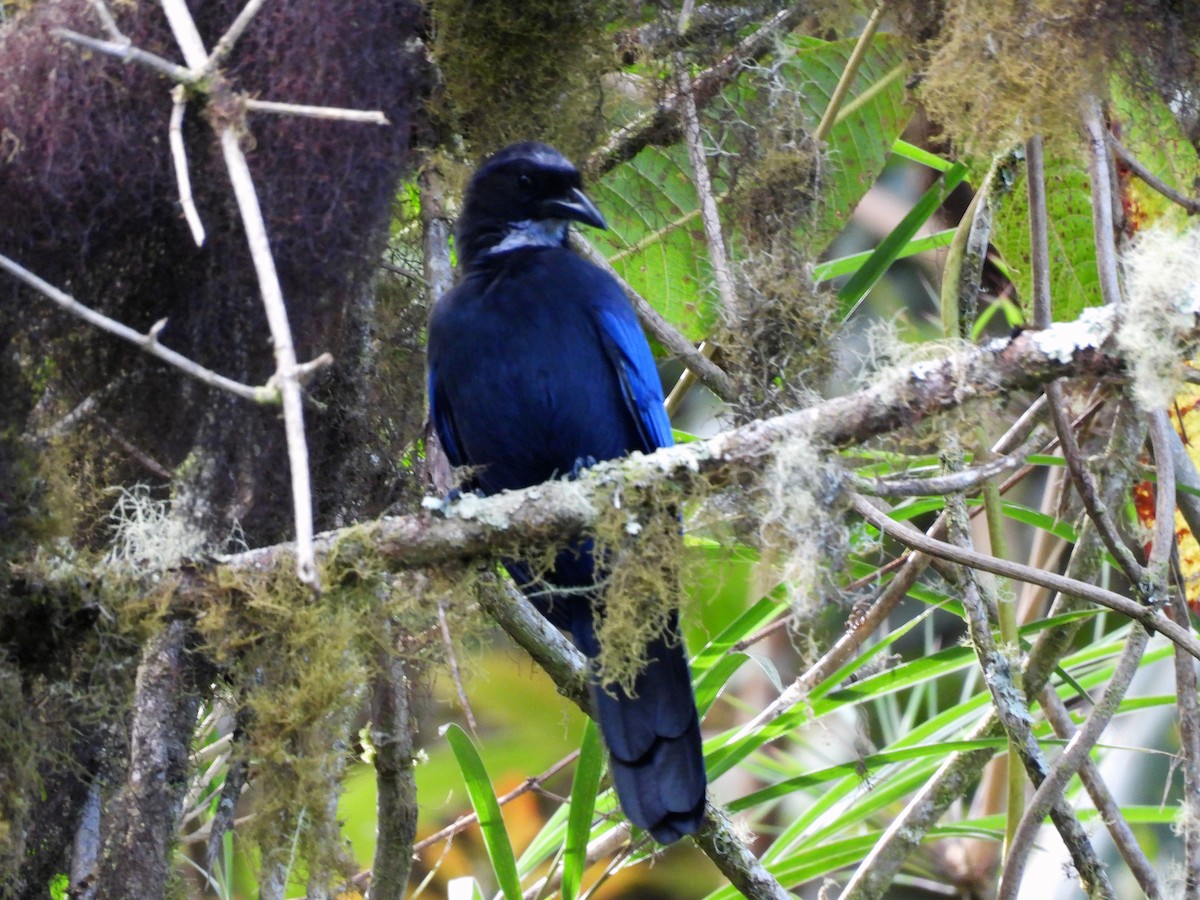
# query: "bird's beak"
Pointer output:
{"type": "Point", "coordinates": [575, 207]}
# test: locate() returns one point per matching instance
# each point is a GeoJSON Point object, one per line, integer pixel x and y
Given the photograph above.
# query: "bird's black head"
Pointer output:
{"type": "Point", "coordinates": [522, 196]}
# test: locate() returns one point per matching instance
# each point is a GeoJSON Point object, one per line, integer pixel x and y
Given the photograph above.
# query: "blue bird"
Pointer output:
{"type": "Point", "coordinates": [538, 368]}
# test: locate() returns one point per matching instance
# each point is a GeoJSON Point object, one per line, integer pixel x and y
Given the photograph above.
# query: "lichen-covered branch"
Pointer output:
{"type": "Point", "coordinates": [395, 759]}
{"type": "Point", "coordinates": [961, 770]}
{"type": "Point", "coordinates": [474, 527]}
{"type": "Point", "coordinates": [1012, 708]}
{"type": "Point", "coordinates": [139, 821]}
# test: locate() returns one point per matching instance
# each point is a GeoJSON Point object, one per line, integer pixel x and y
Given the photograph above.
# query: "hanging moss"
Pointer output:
{"type": "Point", "coordinates": [521, 71]}
{"type": "Point", "coordinates": [992, 74]}
{"type": "Point", "coordinates": [91, 203]}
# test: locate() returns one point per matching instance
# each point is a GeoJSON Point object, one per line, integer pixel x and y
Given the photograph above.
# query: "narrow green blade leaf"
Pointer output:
{"type": "Point", "coordinates": [483, 799]}
{"type": "Point", "coordinates": [888, 251]}
{"type": "Point", "coordinates": [906, 150]}
{"type": "Point", "coordinates": [583, 803]}
{"type": "Point", "coordinates": [845, 265]}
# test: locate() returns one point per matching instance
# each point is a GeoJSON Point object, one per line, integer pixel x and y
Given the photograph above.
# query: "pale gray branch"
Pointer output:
{"type": "Point", "coordinates": [147, 342]}
{"type": "Point", "coordinates": [369, 117]}
{"type": "Point", "coordinates": [127, 53]}
{"type": "Point", "coordinates": [285, 353]}
{"type": "Point", "coordinates": [227, 41]}
{"type": "Point", "coordinates": [179, 157]}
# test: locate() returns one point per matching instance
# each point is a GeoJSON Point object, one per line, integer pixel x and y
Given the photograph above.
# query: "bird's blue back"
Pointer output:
{"type": "Point", "coordinates": [538, 368]}
{"type": "Point", "coordinates": [557, 370]}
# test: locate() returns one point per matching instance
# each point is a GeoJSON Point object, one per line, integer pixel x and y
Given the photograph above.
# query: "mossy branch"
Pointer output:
{"type": "Point", "coordinates": [475, 527]}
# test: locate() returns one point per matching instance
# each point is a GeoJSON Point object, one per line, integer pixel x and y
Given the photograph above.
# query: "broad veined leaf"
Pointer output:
{"type": "Point", "coordinates": [1073, 275]}
{"type": "Point", "coordinates": [1150, 131]}
{"type": "Point", "coordinates": [656, 238]}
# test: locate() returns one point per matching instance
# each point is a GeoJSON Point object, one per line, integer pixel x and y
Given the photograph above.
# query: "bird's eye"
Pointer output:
{"type": "Point", "coordinates": [524, 181]}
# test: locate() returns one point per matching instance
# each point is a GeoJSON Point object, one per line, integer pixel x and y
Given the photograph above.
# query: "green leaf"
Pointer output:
{"type": "Point", "coordinates": [861, 768]}
{"type": "Point", "coordinates": [905, 150]}
{"type": "Point", "coordinates": [1151, 132]}
{"type": "Point", "coordinates": [583, 804]}
{"type": "Point", "coordinates": [1037, 519]}
{"type": "Point", "coordinates": [655, 238]}
{"type": "Point", "coordinates": [845, 265]}
{"type": "Point", "coordinates": [483, 799]}
{"type": "Point", "coordinates": [1074, 283]}
{"type": "Point", "coordinates": [889, 249]}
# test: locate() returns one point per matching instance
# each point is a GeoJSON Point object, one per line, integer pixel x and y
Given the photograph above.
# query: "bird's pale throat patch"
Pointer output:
{"type": "Point", "coordinates": [532, 233]}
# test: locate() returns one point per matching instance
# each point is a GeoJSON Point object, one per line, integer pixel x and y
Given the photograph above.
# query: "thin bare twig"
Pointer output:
{"type": "Point", "coordinates": [710, 217]}
{"type": "Point", "coordinates": [403, 272]}
{"type": "Point", "coordinates": [1116, 543]}
{"type": "Point", "coordinates": [127, 53]}
{"type": "Point", "coordinates": [607, 844]}
{"type": "Point", "coordinates": [1190, 204]}
{"type": "Point", "coordinates": [455, 673]}
{"type": "Point", "coordinates": [1107, 808]}
{"type": "Point", "coordinates": [187, 35]}
{"type": "Point", "coordinates": [464, 822]}
{"type": "Point", "coordinates": [830, 116]}
{"type": "Point", "coordinates": [1151, 617]}
{"type": "Point", "coordinates": [285, 353]}
{"type": "Point", "coordinates": [107, 21]}
{"type": "Point", "coordinates": [368, 117]}
{"type": "Point", "coordinates": [144, 459]}
{"type": "Point", "coordinates": [179, 157]}
{"type": "Point", "coordinates": [147, 342]}
{"type": "Point", "coordinates": [227, 41]}
{"type": "Point", "coordinates": [950, 482]}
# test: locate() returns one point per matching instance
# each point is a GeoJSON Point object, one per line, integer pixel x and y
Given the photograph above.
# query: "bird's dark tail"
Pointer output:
{"type": "Point", "coordinates": [653, 736]}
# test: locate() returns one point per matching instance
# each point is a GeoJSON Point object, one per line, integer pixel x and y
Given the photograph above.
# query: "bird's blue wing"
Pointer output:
{"type": "Point", "coordinates": [443, 424]}
{"type": "Point", "coordinates": [627, 348]}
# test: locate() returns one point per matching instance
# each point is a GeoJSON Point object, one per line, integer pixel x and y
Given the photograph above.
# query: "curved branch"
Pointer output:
{"type": "Point", "coordinates": [1150, 616]}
